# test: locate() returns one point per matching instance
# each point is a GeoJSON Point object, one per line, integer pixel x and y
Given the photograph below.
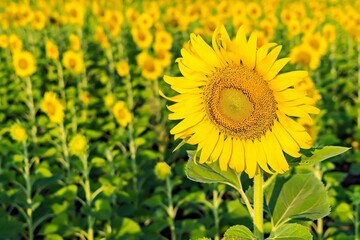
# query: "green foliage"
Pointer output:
{"type": "Point", "coordinates": [238, 232]}
{"type": "Point", "coordinates": [291, 231]}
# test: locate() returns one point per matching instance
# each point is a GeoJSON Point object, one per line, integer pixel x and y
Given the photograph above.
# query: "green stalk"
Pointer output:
{"type": "Point", "coordinates": [28, 188]}
{"type": "Point", "coordinates": [171, 211]}
{"type": "Point", "coordinates": [258, 206]}
{"type": "Point", "coordinates": [88, 198]}
{"type": "Point", "coordinates": [132, 147]}
{"type": "Point", "coordinates": [65, 149]}
{"type": "Point", "coordinates": [30, 104]}
{"type": "Point", "coordinates": [61, 80]}
{"type": "Point", "coordinates": [215, 209]}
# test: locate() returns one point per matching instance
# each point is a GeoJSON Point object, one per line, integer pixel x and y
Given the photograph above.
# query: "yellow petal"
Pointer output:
{"type": "Point", "coordinates": [250, 158]}
{"type": "Point", "coordinates": [263, 51]}
{"type": "Point", "coordinates": [269, 152]}
{"type": "Point", "coordinates": [188, 122]}
{"type": "Point", "coordinates": [241, 42]}
{"type": "Point", "coordinates": [287, 143]}
{"type": "Point", "coordinates": [283, 83]}
{"type": "Point", "coordinates": [288, 95]}
{"type": "Point", "coordinates": [277, 152]}
{"type": "Point", "coordinates": [220, 36]}
{"type": "Point", "coordinates": [276, 68]}
{"type": "Point", "coordinates": [205, 51]}
{"type": "Point", "coordinates": [209, 145]}
{"type": "Point", "coordinates": [289, 123]}
{"type": "Point", "coordinates": [249, 58]}
{"type": "Point", "coordinates": [237, 161]}
{"type": "Point", "coordinates": [193, 62]}
{"type": "Point", "coordinates": [218, 148]}
{"type": "Point", "coordinates": [261, 156]}
{"type": "Point", "coordinates": [265, 65]}
{"type": "Point", "coordinates": [183, 82]}
{"type": "Point", "coordinates": [310, 109]}
{"type": "Point", "coordinates": [190, 73]}
{"type": "Point", "coordinates": [299, 101]}
{"type": "Point", "coordinates": [292, 74]}
{"type": "Point", "coordinates": [294, 111]}
{"type": "Point", "coordinates": [201, 132]}
{"type": "Point", "coordinates": [225, 154]}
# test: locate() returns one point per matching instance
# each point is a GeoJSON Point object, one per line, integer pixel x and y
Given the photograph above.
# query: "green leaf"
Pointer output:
{"type": "Point", "coordinates": [127, 227]}
{"type": "Point", "coordinates": [303, 196]}
{"type": "Point", "coordinates": [10, 228]}
{"type": "Point", "coordinates": [291, 231]}
{"type": "Point", "coordinates": [68, 192]}
{"type": "Point", "coordinates": [238, 232]}
{"type": "Point", "coordinates": [315, 155]}
{"type": "Point", "coordinates": [211, 173]}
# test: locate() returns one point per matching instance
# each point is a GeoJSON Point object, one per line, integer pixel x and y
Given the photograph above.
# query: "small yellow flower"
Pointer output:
{"type": "Point", "coordinates": [15, 43]}
{"type": "Point", "coordinates": [39, 20]}
{"type": "Point", "coordinates": [163, 40]}
{"type": "Point", "coordinates": [18, 133]}
{"type": "Point", "coordinates": [162, 170]}
{"type": "Point", "coordinates": [85, 97]}
{"type": "Point", "coordinates": [305, 56]}
{"type": "Point", "coordinates": [4, 41]}
{"type": "Point", "coordinates": [52, 107]}
{"type": "Point", "coordinates": [109, 100]}
{"type": "Point", "coordinates": [121, 113]}
{"type": "Point", "coordinates": [122, 68]}
{"type": "Point", "coordinates": [24, 64]}
{"type": "Point", "coordinates": [75, 44]}
{"type": "Point", "coordinates": [142, 37]}
{"type": "Point", "coordinates": [78, 145]}
{"type": "Point", "coordinates": [76, 13]}
{"type": "Point", "coordinates": [51, 50]}
{"type": "Point", "coordinates": [150, 67]}
{"type": "Point", "coordinates": [73, 62]}
{"type": "Point", "coordinates": [101, 38]}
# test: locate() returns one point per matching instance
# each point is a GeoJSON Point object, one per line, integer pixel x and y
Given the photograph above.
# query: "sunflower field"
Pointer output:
{"type": "Point", "coordinates": [218, 119]}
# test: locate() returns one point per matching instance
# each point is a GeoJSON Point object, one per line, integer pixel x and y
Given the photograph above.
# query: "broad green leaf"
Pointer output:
{"type": "Point", "coordinates": [10, 228]}
{"type": "Point", "coordinates": [238, 232]}
{"type": "Point", "coordinates": [315, 155]}
{"type": "Point", "coordinates": [303, 196]}
{"type": "Point", "coordinates": [127, 227]}
{"type": "Point", "coordinates": [211, 173]}
{"type": "Point", "coordinates": [68, 192]}
{"type": "Point", "coordinates": [291, 231]}
{"type": "Point", "coordinates": [53, 237]}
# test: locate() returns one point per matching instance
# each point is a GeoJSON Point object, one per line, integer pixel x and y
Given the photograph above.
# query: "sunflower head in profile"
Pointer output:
{"type": "Point", "coordinates": [235, 106]}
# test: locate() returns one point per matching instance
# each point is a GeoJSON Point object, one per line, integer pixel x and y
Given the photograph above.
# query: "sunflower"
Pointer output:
{"type": "Point", "coordinates": [78, 145]}
{"type": "Point", "coordinates": [163, 40]}
{"type": "Point", "coordinates": [18, 132]}
{"type": "Point", "coordinates": [305, 56]}
{"type": "Point", "coordinates": [52, 107]}
{"type": "Point", "coordinates": [142, 37]}
{"type": "Point", "coordinates": [122, 68]}
{"type": "Point", "coordinates": [15, 43]}
{"type": "Point", "coordinates": [329, 32]}
{"type": "Point", "coordinates": [39, 20]}
{"type": "Point", "coordinates": [24, 64]}
{"type": "Point", "coordinates": [51, 49]}
{"type": "Point", "coordinates": [317, 42]}
{"type": "Point", "coordinates": [73, 61]}
{"type": "Point", "coordinates": [4, 41]}
{"type": "Point", "coordinates": [121, 113]}
{"type": "Point", "coordinates": [150, 67]}
{"type": "Point", "coordinates": [75, 43]}
{"type": "Point", "coordinates": [234, 105]}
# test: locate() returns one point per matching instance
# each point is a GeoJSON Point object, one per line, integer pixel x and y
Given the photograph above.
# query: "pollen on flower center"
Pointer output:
{"type": "Point", "coordinates": [239, 102]}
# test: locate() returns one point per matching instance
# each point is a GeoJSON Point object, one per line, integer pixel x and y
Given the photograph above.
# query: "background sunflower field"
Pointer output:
{"type": "Point", "coordinates": [85, 149]}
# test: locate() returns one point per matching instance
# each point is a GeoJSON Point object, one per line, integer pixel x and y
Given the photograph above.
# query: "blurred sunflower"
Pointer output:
{"type": "Point", "coordinates": [15, 43]}
{"type": "Point", "coordinates": [305, 56]}
{"type": "Point", "coordinates": [142, 37]}
{"type": "Point", "coordinates": [24, 64]}
{"type": "Point", "coordinates": [75, 13]}
{"type": "Point", "coordinates": [73, 61]}
{"type": "Point", "coordinates": [329, 32]}
{"type": "Point", "coordinates": [150, 67]}
{"type": "Point", "coordinates": [78, 145]}
{"type": "Point", "coordinates": [39, 20]}
{"type": "Point", "coordinates": [75, 43]}
{"type": "Point", "coordinates": [51, 50]}
{"type": "Point", "coordinates": [52, 107]}
{"type": "Point", "coordinates": [317, 42]}
{"type": "Point", "coordinates": [18, 132]}
{"type": "Point", "coordinates": [4, 41]}
{"type": "Point", "coordinates": [121, 113]}
{"type": "Point", "coordinates": [163, 40]}
{"type": "Point", "coordinates": [122, 68]}
{"type": "Point", "coordinates": [234, 105]}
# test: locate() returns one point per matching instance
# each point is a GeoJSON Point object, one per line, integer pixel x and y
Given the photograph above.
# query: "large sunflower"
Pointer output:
{"type": "Point", "coordinates": [234, 105]}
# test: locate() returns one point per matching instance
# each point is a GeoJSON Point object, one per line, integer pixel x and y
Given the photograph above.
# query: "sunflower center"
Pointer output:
{"type": "Point", "coordinates": [239, 102]}
{"type": "Point", "coordinates": [23, 64]}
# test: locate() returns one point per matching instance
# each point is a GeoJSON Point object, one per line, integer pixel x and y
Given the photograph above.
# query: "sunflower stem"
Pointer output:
{"type": "Point", "coordinates": [31, 106]}
{"type": "Point", "coordinates": [171, 210]}
{"type": "Point", "coordinates": [29, 201]}
{"type": "Point", "coordinates": [216, 203]}
{"type": "Point", "coordinates": [258, 206]}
